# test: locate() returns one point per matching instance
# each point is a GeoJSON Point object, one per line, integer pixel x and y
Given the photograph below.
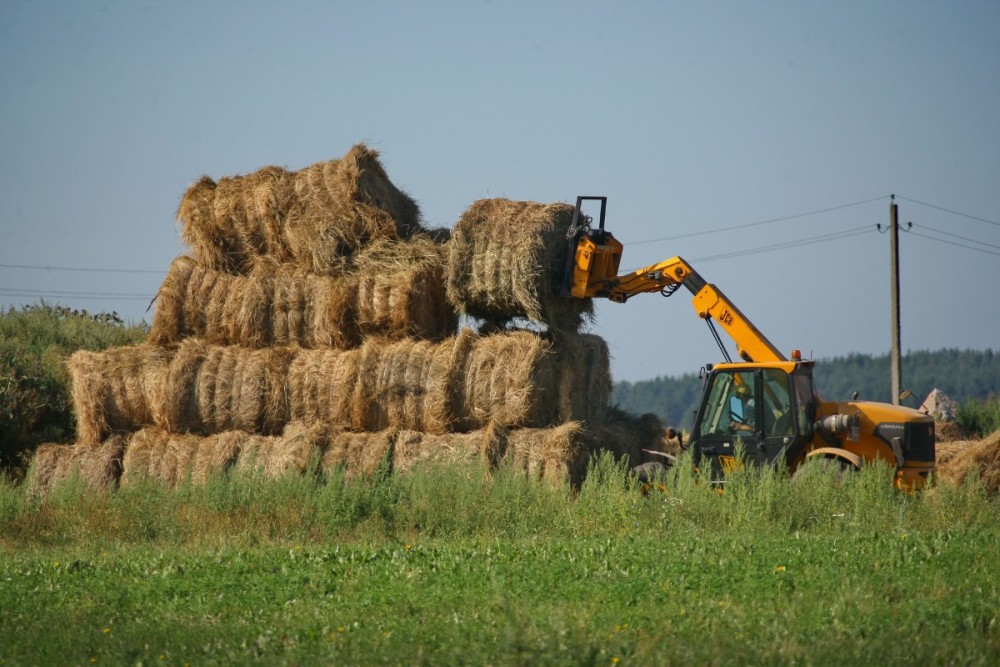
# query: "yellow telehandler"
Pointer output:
{"type": "Point", "coordinates": [767, 401]}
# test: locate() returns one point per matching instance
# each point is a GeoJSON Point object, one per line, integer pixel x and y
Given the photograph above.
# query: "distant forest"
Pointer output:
{"type": "Point", "coordinates": [961, 374]}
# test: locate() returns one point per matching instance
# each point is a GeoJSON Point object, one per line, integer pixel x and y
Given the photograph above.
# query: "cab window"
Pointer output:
{"type": "Point", "coordinates": [779, 417]}
{"type": "Point", "coordinates": [730, 409]}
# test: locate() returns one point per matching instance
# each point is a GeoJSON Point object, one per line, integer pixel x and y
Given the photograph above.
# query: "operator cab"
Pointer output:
{"type": "Point", "coordinates": [769, 407]}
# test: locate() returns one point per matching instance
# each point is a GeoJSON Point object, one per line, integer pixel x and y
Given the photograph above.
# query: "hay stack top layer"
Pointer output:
{"type": "Point", "coordinates": [505, 260]}
{"type": "Point", "coordinates": [311, 217]}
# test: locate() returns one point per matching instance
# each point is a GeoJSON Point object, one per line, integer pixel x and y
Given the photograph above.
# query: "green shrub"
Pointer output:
{"type": "Point", "coordinates": [979, 418]}
{"type": "Point", "coordinates": [35, 342]}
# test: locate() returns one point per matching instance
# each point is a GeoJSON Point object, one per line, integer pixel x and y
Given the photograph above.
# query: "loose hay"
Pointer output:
{"type": "Point", "coordinates": [310, 217]}
{"type": "Point", "coordinates": [98, 466]}
{"type": "Point", "coordinates": [506, 259]}
{"type": "Point", "coordinates": [956, 461]}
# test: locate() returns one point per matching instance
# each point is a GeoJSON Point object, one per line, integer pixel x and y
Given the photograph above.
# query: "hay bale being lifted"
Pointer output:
{"type": "Point", "coordinates": [506, 259]}
{"type": "Point", "coordinates": [313, 217]}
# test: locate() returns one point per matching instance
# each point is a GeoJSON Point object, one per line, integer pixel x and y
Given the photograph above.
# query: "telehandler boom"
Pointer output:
{"type": "Point", "coordinates": [767, 401]}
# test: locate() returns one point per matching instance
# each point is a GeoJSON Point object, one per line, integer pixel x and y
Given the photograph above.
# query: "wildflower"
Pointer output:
{"type": "Point", "coordinates": [106, 630]}
{"type": "Point", "coordinates": [780, 568]}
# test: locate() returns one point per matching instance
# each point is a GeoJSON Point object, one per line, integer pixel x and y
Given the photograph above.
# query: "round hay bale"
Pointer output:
{"type": "Point", "coordinates": [99, 466]}
{"type": "Point", "coordinates": [446, 408]}
{"type": "Point", "coordinates": [344, 205]}
{"type": "Point", "coordinates": [557, 454]}
{"type": "Point", "coordinates": [332, 320]}
{"type": "Point", "coordinates": [401, 290]}
{"type": "Point", "coordinates": [584, 366]}
{"type": "Point", "coordinates": [414, 449]}
{"type": "Point", "coordinates": [506, 259]}
{"type": "Point", "coordinates": [220, 388]}
{"type": "Point", "coordinates": [405, 384]}
{"type": "Point", "coordinates": [227, 223]}
{"type": "Point", "coordinates": [144, 455]}
{"type": "Point", "coordinates": [174, 459]}
{"type": "Point", "coordinates": [359, 454]}
{"type": "Point", "coordinates": [510, 378]}
{"type": "Point", "coordinates": [292, 452]}
{"type": "Point", "coordinates": [321, 386]}
{"type": "Point", "coordinates": [287, 307]}
{"type": "Point", "coordinates": [182, 410]}
{"type": "Point", "coordinates": [116, 390]}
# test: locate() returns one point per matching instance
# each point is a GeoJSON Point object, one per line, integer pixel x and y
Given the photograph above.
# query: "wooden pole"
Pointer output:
{"type": "Point", "coordinates": [894, 360]}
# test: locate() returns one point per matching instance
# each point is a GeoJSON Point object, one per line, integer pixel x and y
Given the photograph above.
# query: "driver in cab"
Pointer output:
{"type": "Point", "coordinates": [742, 409]}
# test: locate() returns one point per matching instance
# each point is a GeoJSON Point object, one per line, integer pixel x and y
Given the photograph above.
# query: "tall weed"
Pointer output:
{"type": "Point", "coordinates": [470, 502]}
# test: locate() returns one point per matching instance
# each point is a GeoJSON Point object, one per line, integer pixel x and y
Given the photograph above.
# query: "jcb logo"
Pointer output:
{"type": "Point", "coordinates": [725, 317]}
{"type": "Point", "coordinates": [730, 464]}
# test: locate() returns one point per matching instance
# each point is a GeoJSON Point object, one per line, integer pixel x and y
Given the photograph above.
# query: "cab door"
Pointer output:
{"type": "Point", "coordinates": [780, 426]}
{"type": "Point", "coordinates": [731, 412]}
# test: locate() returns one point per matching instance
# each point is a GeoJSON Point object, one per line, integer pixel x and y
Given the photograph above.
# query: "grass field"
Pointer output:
{"type": "Point", "coordinates": [449, 566]}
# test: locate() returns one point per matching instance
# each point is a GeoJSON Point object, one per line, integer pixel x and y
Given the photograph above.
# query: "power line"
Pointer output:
{"type": "Point", "coordinates": [957, 236]}
{"type": "Point", "coordinates": [39, 267]}
{"type": "Point", "coordinates": [812, 240]}
{"type": "Point", "coordinates": [959, 245]}
{"type": "Point", "coordinates": [27, 292]}
{"type": "Point", "coordinates": [948, 210]}
{"type": "Point", "coordinates": [835, 236]}
{"type": "Point", "coordinates": [760, 222]}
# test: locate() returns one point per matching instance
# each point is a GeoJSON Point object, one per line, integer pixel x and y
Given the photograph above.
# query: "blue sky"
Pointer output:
{"type": "Point", "coordinates": [690, 116]}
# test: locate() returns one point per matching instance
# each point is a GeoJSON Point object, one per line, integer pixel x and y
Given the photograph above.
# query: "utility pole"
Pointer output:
{"type": "Point", "coordinates": [894, 359]}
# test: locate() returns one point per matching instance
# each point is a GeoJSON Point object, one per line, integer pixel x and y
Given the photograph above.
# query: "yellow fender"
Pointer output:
{"type": "Point", "coordinates": [837, 453]}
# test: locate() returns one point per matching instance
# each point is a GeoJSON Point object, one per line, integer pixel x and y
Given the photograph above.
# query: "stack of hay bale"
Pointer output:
{"type": "Point", "coordinates": [315, 319]}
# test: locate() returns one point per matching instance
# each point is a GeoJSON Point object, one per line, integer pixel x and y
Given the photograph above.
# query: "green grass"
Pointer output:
{"type": "Point", "coordinates": [451, 567]}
